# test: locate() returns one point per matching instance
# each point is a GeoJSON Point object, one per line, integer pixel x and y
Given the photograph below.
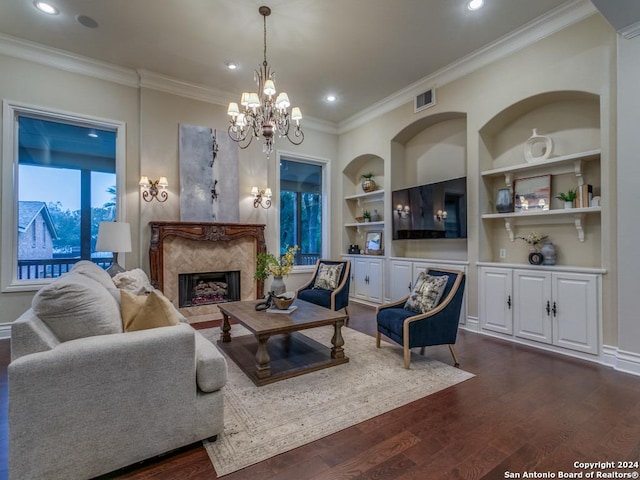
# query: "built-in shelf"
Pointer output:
{"type": "Point", "coordinates": [566, 162]}
{"type": "Point", "coordinates": [567, 215]}
{"type": "Point", "coordinates": [364, 225]}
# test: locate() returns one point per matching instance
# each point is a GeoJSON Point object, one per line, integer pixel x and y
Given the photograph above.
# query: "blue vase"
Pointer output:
{"type": "Point", "coordinates": [504, 201]}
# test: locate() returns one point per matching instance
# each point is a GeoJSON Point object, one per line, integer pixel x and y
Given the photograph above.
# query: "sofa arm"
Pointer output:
{"type": "Point", "coordinates": [138, 387]}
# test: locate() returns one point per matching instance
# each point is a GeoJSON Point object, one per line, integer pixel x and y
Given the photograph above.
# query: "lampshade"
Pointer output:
{"type": "Point", "coordinates": [233, 109]}
{"type": "Point", "coordinates": [269, 87]}
{"type": "Point", "coordinates": [296, 114]}
{"type": "Point", "coordinates": [267, 192]}
{"type": "Point", "coordinates": [163, 183]}
{"type": "Point", "coordinates": [114, 237]}
{"type": "Point", "coordinates": [254, 191]}
{"type": "Point", "coordinates": [144, 181]}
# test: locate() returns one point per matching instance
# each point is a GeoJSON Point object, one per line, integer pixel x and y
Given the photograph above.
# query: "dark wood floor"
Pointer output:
{"type": "Point", "coordinates": [526, 410]}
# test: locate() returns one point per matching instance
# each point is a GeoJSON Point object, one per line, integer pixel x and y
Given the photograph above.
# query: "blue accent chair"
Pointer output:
{"type": "Point", "coordinates": [438, 326]}
{"type": "Point", "coordinates": [332, 299]}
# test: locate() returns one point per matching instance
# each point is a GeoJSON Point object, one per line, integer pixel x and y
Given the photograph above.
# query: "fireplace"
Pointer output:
{"type": "Point", "coordinates": [208, 288]}
{"type": "Point", "coordinates": [179, 248]}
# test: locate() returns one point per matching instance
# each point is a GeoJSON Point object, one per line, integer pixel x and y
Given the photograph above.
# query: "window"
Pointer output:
{"type": "Point", "coordinates": [302, 208]}
{"type": "Point", "coordinates": [64, 184]}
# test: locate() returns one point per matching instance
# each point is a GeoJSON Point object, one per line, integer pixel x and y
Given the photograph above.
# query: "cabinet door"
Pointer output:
{"type": "Point", "coordinates": [532, 305]}
{"type": "Point", "coordinates": [496, 299]}
{"type": "Point", "coordinates": [360, 289]}
{"type": "Point", "coordinates": [576, 312]}
{"type": "Point", "coordinates": [375, 280]}
{"type": "Point", "coordinates": [400, 279]}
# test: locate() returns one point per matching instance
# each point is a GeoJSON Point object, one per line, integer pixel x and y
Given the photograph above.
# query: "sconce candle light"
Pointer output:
{"type": "Point", "coordinates": [441, 215]}
{"type": "Point", "coordinates": [154, 189]}
{"type": "Point", "coordinates": [261, 197]}
{"type": "Point", "coordinates": [403, 212]}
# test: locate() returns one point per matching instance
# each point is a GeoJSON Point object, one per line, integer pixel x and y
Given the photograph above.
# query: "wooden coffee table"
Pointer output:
{"type": "Point", "coordinates": [277, 350]}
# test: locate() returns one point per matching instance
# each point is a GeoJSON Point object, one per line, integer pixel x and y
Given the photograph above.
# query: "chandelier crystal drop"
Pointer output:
{"type": "Point", "coordinates": [264, 114]}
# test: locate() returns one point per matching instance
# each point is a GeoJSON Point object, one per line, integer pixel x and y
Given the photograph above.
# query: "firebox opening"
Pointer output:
{"type": "Point", "coordinates": [195, 289]}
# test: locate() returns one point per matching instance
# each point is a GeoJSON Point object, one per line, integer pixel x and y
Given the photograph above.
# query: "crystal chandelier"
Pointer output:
{"type": "Point", "coordinates": [261, 114]}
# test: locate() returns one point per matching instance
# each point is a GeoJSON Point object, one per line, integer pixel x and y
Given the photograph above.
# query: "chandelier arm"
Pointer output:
{"type": "Point", "coordinates": [239, 139]}
{"type": "Point", "coordinates": [296, 133]}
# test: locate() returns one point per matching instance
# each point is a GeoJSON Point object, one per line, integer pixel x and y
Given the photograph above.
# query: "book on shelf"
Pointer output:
{"type": "Point", "coordinates": [585, 194]}
{"type": "Point", "coordinates": [287, 311]}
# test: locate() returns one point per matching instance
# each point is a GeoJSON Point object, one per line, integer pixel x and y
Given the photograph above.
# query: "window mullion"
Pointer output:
{"type": "Point", "coordinates": [85, 214]}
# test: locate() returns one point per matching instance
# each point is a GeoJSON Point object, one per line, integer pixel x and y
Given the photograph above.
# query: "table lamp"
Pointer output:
{"type": "Point", "coordinates": [114, 237]}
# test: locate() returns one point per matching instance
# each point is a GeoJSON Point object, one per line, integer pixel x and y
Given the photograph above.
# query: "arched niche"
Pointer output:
{"type": "Point", "coordinates": [360, 165]}
{"type": "Point", "coordinates": [570, 118]}
{"type": "Point", "coordinates": [431, 149]}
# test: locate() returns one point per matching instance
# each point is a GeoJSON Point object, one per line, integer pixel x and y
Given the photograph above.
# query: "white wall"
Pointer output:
{"type": "Point", "coordinates": [628, 176]}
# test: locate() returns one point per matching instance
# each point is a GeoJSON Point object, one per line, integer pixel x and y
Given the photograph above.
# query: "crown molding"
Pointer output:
{"type": "Point", "coordinates": [70, 62]}
{"type": "Point", "coordinates": [544, 26]}
{"type": "Point", "coordinates": [630, 31]}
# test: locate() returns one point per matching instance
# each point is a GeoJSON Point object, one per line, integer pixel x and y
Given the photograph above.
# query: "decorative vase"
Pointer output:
{"type": "Point", "coordinates": [375, 216]}
{"type": "Point", "coordinates": [504, 201]}
{"type": "Point", "coordinates": [535, 257]}
{"type": "Point", "coordinates": [548, 251]}
{"type": "Point", "coordinates": [368, 185]}
{"type": "Point", "coordinates": [537, 147]}
{"type": "Point", "coordinates": [277, 286]}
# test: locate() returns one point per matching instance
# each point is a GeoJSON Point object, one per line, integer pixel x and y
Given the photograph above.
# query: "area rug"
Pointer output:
{"type": "Point", "coordinates": [261, 422]}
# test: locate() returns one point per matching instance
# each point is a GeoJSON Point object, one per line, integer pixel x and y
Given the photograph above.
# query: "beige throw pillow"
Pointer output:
{"type": "Point", "coordinates": [141, 312]}
{"type": "Point", "coordinates": [427, 293]}
{"type": "Point", "coordinates": [328, 276]}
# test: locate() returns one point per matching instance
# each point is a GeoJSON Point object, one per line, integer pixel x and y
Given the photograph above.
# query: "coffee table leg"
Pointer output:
{"type": "Point", "coordinates": [225, 336]}
{"type": "Point", "coordinates": [337, 341]}
{"type": "Point", "coordinates": [263, 369]}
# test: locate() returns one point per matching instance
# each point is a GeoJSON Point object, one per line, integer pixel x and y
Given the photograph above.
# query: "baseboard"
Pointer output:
{"type": "Point", "coordinates": [5, 330]}
{"type": "Point", "coordinates": [627, 362]}
{"type": "Point", "coordinates": [472, 325]}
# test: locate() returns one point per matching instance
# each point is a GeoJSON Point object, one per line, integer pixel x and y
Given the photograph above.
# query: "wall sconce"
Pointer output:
{"type": "Point", "coordinates": [440, 215]}
{"type": "Point", "coordinates": [261, 197]}
{"type": "Point", "coordinates": [154, 189]}
{"type": "Point", "coordinates": [403, 212]}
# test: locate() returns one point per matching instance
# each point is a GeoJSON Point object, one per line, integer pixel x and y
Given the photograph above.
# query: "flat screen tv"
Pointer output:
{"type": "Point", "coordinates": [435, 210]}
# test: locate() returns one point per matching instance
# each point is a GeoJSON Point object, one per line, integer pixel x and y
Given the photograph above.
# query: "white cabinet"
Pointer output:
{"type": "Point", "coordinates": [401, 279]}
{"type": "Point", "coordinates": [368, 278]}
{"type": "Point", "coordinates": [546, 306]}
{"type": "Point", "coordinates": [575, 311]}
{"type": "Point", "coordinates": [496, 299]}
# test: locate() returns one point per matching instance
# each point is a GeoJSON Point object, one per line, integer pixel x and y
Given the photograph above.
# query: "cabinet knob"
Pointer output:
{"type": "Point", "coordinates": [554, 309]}
{"type": "Point", "coordinates": [548, 308]}
{"type": "Point", "coordinates": [509, 302]}
{"type": "Point", "coordinates": [409, 286]}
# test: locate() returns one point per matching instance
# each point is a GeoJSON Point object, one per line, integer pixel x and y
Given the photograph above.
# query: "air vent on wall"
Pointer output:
{"type": "Point", "coordinates": [425, 100]}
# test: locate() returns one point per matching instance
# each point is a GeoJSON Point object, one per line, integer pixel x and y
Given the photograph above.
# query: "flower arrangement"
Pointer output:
{"type": "Point", "coordinates": [269, 264]}
{"type": "Point", "coordinates": [534, 238]}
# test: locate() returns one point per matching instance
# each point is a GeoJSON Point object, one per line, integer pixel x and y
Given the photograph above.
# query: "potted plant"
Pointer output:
{"type": "Point", "coordinates": [568, 198]}
{"type": "Point", "coordinates": [534, 239]}
{"type": "Point", "coordinates": [368, 183]}
{"type": "Point", "coordinates": [268, 264]}
{"type": "Point", "coordinates": [366, 215]}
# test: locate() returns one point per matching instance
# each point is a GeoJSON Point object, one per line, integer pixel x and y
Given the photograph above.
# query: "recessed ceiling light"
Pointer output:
{"type": "Point", "coordinates": [232, 65]}
{"type": "Point", "coordinates": [475, 4]}
{"type": "Point", "coordinates": [86, 21]}
{"type": "Point", "coordinates": [331, 98]}
{"type": "Point", "coordinates": [46, 7]}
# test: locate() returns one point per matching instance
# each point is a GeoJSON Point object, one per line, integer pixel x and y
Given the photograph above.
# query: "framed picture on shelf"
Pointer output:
{"type": "Point", "coordinates": [373, 244]}
{"type": "Point", "coordinates": [532, 193]}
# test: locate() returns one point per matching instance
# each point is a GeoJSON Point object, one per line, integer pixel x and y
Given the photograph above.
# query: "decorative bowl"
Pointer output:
{"type": "Point", "coordinates": [284, 303]}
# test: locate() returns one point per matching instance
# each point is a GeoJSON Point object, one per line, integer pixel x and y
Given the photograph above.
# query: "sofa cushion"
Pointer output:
{"type": "Point", "coordinates": [134, 281]}
{"type": "Point", "coordinates": [328, 277]}
{"type": "Point", "coordinates": [211, 367]}
{"type": "Point", "coordinates": [426, 293]}
{"type": "Point", "coordinates": [94, 272]}
{"type": "Point", "coordinates": [75, 306]}
{"type": "Point", "coordinates": [141, 312]}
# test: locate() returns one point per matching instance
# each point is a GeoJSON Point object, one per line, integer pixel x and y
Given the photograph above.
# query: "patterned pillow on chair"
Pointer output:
{"type": "Point", "coordinates": [427, 292]}
{"type": "Point", "coordinates": [328, 276]}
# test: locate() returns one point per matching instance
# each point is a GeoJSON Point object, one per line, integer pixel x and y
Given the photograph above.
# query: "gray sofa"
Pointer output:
{"type": "Point", "coordinates": [86, 398]}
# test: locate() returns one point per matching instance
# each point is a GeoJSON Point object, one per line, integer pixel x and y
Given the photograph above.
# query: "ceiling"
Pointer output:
{"type": "Point", "coordinates": [362, 51]}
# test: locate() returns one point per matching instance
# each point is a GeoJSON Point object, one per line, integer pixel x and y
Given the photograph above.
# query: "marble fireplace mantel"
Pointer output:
{"type": "Point", "coordinates": [213, 238]}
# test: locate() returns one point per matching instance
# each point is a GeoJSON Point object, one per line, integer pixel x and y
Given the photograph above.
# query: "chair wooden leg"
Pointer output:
{"type": "Point", "coordinates": [407, 357]}
{"type": "Point", "coordinates": [347, 314]}
{"type": "Point", "coordinates": [453, 354]}
{"type": "Point", "coordinates": [422, 351]}
{"type": "Point", "coordinates": [378, 339]}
